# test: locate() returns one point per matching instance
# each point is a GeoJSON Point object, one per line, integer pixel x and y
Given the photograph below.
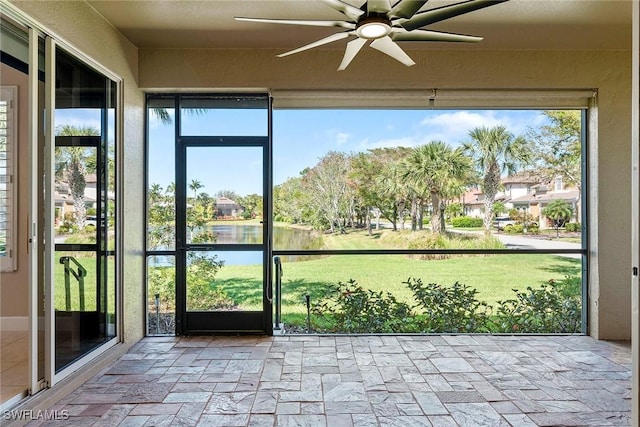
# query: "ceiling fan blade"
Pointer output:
{"type": "Point", "coordinates": [432, 36]}
{"type": "Point", "coordinates": [378, 6]}
{"type": "Point", "coordinates": [310, 22]}
{"type": "Point", "coordinates": [331, 38]}
{"type": "Point", "coordinates": [351, 12]}
{"type": "Point", "coordinates": [440, 14]}
{"type": "Point", "coordinates": [388, 46]}
{"type": "Point", "coordinates": [353, 47]}
{"type": "Point", "coordinates": [406, 8]}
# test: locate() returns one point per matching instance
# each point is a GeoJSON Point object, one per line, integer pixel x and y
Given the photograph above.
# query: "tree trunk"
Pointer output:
{"type": "Point", "coordinates": [78, 185]}
{"type": "Point", "coordinates": [490, 188]}
{"type": "Point", "coordinates": [436, 225]}
{"type": "Point", "coordinates": [414, 214]}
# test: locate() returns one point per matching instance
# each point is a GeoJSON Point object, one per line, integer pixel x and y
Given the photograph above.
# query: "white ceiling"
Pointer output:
{"type": "Point", "coordinates": [516, 24]}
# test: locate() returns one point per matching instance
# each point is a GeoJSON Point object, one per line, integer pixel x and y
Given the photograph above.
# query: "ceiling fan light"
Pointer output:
{"type": "Point", "coordinates": [373, 28]}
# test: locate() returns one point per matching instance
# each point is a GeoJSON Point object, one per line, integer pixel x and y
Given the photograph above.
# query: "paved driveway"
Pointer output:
{"type": "Point", "coordinates": [522, 242]}
{"type": "Point", "coordinates": [514, 241]}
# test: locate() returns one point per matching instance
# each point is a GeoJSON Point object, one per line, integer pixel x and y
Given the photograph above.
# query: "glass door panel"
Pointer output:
{"type": "Point", "coordinates": [224, 281]}
{"type": "Point", "coordinates": [224, 196]}
{"type": "Point", "coordinates": [85, 212]}
{"type": "Point", "coordinates": [224, 234]}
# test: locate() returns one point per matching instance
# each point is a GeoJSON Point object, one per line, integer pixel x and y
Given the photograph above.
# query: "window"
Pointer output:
{"type": "Point", "coordinates": [558, 183]}
{"type": "Point", "coordinates": [7, 181]}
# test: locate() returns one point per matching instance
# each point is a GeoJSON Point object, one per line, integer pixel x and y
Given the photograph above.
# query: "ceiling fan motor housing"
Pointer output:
{"type": "Point", "coordinates": [373, 27]}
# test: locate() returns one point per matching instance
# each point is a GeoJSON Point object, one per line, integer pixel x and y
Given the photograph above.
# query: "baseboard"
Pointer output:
{"type": "Point", "coordinates": [14, 323]}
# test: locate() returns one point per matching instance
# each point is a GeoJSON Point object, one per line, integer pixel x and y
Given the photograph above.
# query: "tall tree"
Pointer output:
{"type": "Point", "coordinates": [330, 194]}
{"type": "Point", "coordinates": [437, 170]}
{"type": "Point", "coordinates": [376, 182]}
{"type": "Point", "coordinates": [72, 165]}
{"type": "Point", "coordinates": [495, 150]}
{"type": "Point", "coordinates": [559, 148]}
{"type": "Point", "coordinates": [194, 186]}
{"type": "Point", "coordinates": [289, 201]}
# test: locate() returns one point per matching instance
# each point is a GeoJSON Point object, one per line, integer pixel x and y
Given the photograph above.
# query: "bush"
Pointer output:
{"type": "Point", "coordinates": [348, 308]}
{"type": "Point", "coordinates": [554, 307]}
{"type": "Point", "coordinates": [202, 292]}
{"type": "Point", "coordinates": [514, 229]}
{"type": "Point", "coordinates": [572, 226]}
{"type": "Point", "coordinates": [429, 241]}
{"type": "Point", "coordinates": [448, 308]}
{"type": "Point", "coordinates": [466, 222]}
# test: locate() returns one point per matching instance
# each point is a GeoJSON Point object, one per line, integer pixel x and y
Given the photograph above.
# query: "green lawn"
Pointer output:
{"type": "Point", "coordinates": [493, 276]}
{"type": "Point", "coordinates": [89, 264]}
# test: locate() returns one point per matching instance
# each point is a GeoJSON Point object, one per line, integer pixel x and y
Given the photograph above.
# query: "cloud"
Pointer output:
{"type": "Point", "coordinates": [453, 127]}
{"type": "Point", "coordinates": [342, 138]}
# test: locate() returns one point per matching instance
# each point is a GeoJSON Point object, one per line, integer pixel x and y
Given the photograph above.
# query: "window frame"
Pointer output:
{"type": "Point", "coordinates": [8, 263]}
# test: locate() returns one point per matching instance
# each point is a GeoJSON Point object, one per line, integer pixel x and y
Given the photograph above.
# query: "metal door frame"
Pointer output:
{"type": "Point", "coordinates": [200, 322]}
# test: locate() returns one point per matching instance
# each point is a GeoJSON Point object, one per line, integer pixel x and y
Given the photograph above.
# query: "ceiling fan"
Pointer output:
{"type": "Point", "coordinates": [383, 24]}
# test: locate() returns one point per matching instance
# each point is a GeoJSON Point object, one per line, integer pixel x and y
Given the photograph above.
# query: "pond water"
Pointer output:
{"type": "Point", "coordinates": [283, 238]}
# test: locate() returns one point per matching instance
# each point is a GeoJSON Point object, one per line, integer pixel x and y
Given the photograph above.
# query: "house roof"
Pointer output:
{"type": "Point", "coordinates": [220, 201]}
{"type": "Point", "coordinates": [525, 177]}
{"type": "Point", "coordinates": [569, 196]}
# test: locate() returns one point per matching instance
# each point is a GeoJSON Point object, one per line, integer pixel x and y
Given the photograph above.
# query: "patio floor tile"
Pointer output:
{"type": "Point", "coordinates": [310, 380]}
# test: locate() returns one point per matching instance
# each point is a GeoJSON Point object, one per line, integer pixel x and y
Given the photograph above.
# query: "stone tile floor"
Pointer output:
{"type": "Point", "coordinates": [464, 380]}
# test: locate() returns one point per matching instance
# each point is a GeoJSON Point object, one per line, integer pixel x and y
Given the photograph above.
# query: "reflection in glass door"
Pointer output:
{"type": "Point", "coordinates": [84, 210]}
{"type": "Point", "coordinates": [220, 225]}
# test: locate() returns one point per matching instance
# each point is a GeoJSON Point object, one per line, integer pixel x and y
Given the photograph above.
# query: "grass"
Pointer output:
{"type": "Point", "coordinates": [89, 264]}
{"type": "Point", "coordinates": [494, 276]}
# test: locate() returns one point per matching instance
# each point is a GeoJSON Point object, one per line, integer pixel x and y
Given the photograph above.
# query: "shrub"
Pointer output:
{"type": "Point", "coordinates": [348, 308]}
{"type": "Point", "coordinates": [514, 229]}
{"type": "Point", "coordinates": [466, 222]}
{"type": "Point", "coordinates": [429, 241]}
{"type": "Point", "coordinates": [202, 292]}
{"type": "Point", "coordinates": [554, 307]}
{"type": "Point", "coordinates": [483, 241]}
{"type": "Point", "coordinates": [448, 308]}
{"type": "Point", "coordinates": [572, 226]}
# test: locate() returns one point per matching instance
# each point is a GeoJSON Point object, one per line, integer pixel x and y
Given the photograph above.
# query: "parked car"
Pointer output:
{"type": "Point", "coordinates": [500, 222]}
{"type": "Point", "coordinates": [90, 220]}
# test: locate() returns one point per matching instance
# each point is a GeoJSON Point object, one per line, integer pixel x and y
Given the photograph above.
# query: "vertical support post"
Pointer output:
{"type": "Point", "coordinates": [67, 283]}
{"type": "Point", "coordinates": [308, 301]}
{"type": "Point", "coordinates": [278, 292]}
{"type": "Point", "coordinates": [157, 314]}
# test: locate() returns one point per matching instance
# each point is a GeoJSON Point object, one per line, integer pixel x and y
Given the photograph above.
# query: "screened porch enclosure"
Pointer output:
{"type": "Point", "coordinates": [364, 227]}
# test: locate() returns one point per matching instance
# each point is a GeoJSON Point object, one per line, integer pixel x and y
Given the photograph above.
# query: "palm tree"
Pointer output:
{"type": "Point", "coordinates": [72, 164]}
{"type": "Point", "coordinates": [495, 150]}
{"type": "Point", "coordinates": [437, 170]}
{"type": "Point", "coordinates": [558, 211]}
{"type": "Point", "coordinates": [195, 186]}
